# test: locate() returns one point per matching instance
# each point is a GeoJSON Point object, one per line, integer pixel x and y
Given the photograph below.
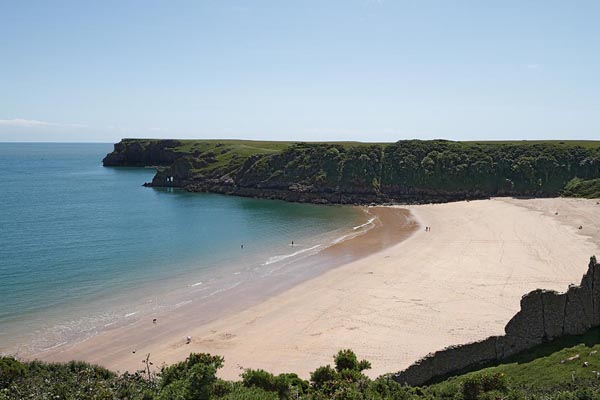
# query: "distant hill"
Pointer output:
{"type": "Point", "coordinates": [408, 171]}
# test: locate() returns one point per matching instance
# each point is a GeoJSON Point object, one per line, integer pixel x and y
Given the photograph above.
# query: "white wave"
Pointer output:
{"type": "Point", "coordinates": [223, 289]}
{"type": "Point", "coordinates": [183, 303]}
{"type": "Point", "coordinates": [275, 259]}
{"type": "Point", "coordinates": [342, 238]}
{"type": "Point", "coordinates": [55, 346]}
{"type": "Point", "coordinates": [369, 222]}
{"type": "Point", "coordinates": [130, 314]}
{"type": "Point", "coordinates": [196, 284]}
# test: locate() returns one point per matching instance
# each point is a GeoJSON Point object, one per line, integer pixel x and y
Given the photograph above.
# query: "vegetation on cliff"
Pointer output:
{"type": "Point", "coordinates": [577, 187]}
{"type": "Point", "coordinates": [348, 172]}
{"type": "Point", "coordinates": [563, 369]}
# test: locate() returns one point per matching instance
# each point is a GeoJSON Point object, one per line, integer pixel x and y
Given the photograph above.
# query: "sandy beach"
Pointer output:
{"type": "Point", "coordinates": [460, 282]}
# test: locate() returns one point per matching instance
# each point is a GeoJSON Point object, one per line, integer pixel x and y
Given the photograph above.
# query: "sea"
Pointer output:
{"type": "Point", "coordinates": [86, 248]}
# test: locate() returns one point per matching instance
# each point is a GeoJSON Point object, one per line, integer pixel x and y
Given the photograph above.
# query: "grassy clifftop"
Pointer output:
{"type": "Point", "coordinates": [350, 172]}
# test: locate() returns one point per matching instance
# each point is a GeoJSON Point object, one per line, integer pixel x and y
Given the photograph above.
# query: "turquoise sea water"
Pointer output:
{"type": "Point", "coordinates": [83, 247]}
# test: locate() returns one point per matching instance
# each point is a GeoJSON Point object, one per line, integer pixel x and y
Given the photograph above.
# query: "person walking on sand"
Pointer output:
{"type": "Point", "coordinates": [292, 243]}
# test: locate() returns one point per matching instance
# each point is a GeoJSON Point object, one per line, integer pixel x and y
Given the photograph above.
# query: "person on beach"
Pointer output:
{"type": "Point", "coordinates": [188, 340]}
{"type": "Point", "coordinates": [154, 321]}
{"type": "Point", "coordinates": [292, 243]}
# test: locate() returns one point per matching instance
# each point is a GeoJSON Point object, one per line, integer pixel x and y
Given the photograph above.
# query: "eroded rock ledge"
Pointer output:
{"type": "Point", "coordinates": [544, 316]}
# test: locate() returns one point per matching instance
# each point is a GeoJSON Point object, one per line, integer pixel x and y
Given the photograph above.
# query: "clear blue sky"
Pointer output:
{"type": "Point", "coordinates": [299, 70]}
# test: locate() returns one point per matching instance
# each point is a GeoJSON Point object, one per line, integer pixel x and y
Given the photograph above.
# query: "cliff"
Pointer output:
{"type": "Point", "coordinates": [143, 153]}
{"type": "Point", "coordinates": [544, 316]}
{"type": "Point", "coordinates": [410, 171]}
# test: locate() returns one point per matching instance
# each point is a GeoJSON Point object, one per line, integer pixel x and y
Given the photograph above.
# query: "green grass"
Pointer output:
{"type": "Point", "coordinates": [541, 369]}
{"type": "Point", "coordinates": [233, 152]}
{"type": "Point", "coordinates": [589, 189]}
{"type": "Point", "coordinates": [226, 152]}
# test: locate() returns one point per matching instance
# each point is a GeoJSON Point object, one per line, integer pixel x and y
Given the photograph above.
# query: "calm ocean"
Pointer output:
{"type": "Point", "coordinates": [83, 247]}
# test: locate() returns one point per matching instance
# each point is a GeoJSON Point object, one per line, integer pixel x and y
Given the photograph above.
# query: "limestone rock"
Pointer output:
{"type": "Point", "coordinates": [544, 315]}
{"type": "Point", "coordinates": [529, 321]}
{"type": "Point", "coordinates": [554, 314]}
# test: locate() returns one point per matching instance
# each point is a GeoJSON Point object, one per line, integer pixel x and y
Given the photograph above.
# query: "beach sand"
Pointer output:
{"type": "Point", "coordinates": [460, 282]}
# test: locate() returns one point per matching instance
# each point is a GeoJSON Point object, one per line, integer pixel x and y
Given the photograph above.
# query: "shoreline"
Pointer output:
{"type": "Point", "coordinates": [383, 228]}
{"type": "Point", "coordinates": [460, 282]}
{"type": "Point", "coordinates": [159, 284]}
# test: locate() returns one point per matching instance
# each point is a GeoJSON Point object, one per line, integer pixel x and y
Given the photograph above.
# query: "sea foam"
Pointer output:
{"type": "Point", "coordinates": [275, 259]}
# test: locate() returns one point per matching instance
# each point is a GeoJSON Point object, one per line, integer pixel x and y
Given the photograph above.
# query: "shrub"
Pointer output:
{"type": "Point", "coordinates": [322, 376]}
{"type": "Point", "coordinates": [259, 378]}
{"type": "Point", "coordinates": [191, 379]}
{"type": "Point", "coordinates": [346, 359]}
{"type": "Point", "coordinates": [476, 385]}
{"type": "Point", "coordinates": [10, 369]}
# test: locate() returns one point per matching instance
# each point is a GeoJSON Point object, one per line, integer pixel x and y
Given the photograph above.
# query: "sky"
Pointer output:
{"type": "Point", "coordinates": [367, 70]}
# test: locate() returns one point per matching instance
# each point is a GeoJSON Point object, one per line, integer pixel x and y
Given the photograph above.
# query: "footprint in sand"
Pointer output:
{"type": "Point", "coordinates": [227, 336]}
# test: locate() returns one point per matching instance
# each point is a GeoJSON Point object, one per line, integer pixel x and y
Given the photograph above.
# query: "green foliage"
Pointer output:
{"type": "Point", "coordinates": [347, 360]}
{"type": "Point", "coordinates": [259, 378]}
{"type": "Point", "coordinates": [323, 376]}
{"type": "Point", "coordinates": [10, 369]}
{"type": "Point", "coordinates": [253, 393]}
{"type": "Point", "coordinates": [475, 386]}
{"type": "Point", "coordinates": [285, 385]}
{"type": "Point", "coordinates": [192, 379]}
{"type": "Point", "coordinates": [589, 189]}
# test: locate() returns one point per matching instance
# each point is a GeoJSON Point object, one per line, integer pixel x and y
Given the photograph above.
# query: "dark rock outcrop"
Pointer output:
{"type": "Point", "coordinates": [544, 316]}
{"type": "Point", "coordinates": [143, 153]}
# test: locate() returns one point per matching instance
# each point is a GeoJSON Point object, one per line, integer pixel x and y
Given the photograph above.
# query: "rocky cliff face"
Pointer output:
{"type": "Point", "coordinates": [544, 315]}
{"type": "Point", "coordinates": [143, 153]}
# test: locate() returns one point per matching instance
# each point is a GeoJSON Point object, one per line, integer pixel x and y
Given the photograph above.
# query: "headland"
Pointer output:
{"type": "Point", "coordinates": [408, 171]}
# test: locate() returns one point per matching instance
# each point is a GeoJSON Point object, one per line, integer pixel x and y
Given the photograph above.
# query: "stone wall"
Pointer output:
{"type": "Point", "coordinates": [544, 315]}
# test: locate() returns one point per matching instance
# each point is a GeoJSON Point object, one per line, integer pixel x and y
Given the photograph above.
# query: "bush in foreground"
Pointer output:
{"type": "Point", "coordinates": [196, 379]}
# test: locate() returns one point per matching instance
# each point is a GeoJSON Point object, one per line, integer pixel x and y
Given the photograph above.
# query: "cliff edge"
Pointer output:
{"type": "Point", "coordinates": [544, 316]}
